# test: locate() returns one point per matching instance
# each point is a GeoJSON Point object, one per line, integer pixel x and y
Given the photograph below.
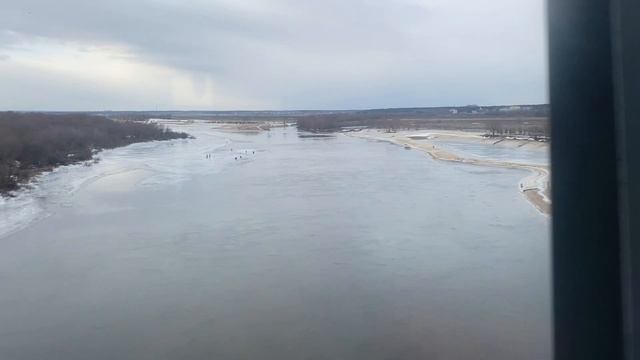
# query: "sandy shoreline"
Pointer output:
{"type": "Point", "coordinates": [534, 187]}
{"type": "Point", "coordinates": [249, 127]}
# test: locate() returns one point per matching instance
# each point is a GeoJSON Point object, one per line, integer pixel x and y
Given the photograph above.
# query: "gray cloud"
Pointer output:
{"type": "Point", "coordinates": [300, 54]}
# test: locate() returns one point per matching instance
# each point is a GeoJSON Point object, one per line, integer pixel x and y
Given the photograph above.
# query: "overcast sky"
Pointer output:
{"type": "Point", "coordinates": [269, 54]}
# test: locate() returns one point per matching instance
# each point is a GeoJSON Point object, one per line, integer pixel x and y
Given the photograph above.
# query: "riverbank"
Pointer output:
{"type": "Point", "coordinates": [35, 143]}
{"type": "Point", "coordinates": [534, 187]}
{"type": "Point", "coordinates": [246, 127]}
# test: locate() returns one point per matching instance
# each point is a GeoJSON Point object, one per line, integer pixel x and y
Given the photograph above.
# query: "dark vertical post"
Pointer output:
{"type": "Point", "coordinates": [586, 243]}
{"type": "Point", "coordinates": [626, 32]}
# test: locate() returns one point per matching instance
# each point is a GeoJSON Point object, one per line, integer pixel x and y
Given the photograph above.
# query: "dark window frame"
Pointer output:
{"type": "Point", "coordinates": [594, 93]}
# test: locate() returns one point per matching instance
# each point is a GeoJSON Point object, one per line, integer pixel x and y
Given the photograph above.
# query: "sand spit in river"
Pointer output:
{"type": "Point", "coordinates": [534, 187]}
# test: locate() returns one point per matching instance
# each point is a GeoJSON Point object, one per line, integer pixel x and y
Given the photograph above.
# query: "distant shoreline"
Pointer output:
{"type": "Point", "coordinates": [534, 187]}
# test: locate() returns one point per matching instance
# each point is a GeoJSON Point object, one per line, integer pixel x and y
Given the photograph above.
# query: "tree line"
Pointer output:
{"type": "Point", "coordinates": [33, 142]}
{"type": "Point", "coordinates": [318, 123]}
{"type": "Point", "coordinates": [538, 130]}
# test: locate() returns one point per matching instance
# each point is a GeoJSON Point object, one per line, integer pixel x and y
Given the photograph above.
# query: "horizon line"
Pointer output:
{"type": "Point", "coordinates": [281, 110]}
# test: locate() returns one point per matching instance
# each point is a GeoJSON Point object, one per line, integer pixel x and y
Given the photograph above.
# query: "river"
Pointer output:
{"type": "Point", "coordinates": [303, 248]}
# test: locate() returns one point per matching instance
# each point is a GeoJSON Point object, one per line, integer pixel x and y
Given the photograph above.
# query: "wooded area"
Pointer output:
{"type": "Point", "coordinates": [33, 142]}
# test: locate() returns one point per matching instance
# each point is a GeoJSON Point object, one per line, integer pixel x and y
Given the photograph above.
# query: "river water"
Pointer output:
{"type": "Point", "coordinates": [304, 248]}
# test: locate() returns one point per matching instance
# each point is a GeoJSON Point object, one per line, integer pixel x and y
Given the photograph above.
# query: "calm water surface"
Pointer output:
{"type": "Point", "coordinates": [538, 156]}
{"type": "Point", "coordinates": [306, 248]}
